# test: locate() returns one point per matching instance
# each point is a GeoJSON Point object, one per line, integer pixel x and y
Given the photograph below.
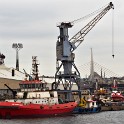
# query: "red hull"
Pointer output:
{"type": "Point", "coordinates": [117, 97]}
{"type": "Point", "coordinates": [19, 110]}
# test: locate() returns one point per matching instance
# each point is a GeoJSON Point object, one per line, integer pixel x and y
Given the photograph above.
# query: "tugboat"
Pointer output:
{"type": "Point", "coordinates": [34, 99]}
{"type": "Point", "coordinates": [87, 105]}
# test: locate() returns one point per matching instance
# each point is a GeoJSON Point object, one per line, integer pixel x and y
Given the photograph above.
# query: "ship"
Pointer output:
{"type": "Point", "coordinates": [87, 107]}
{"type": "Point", "coordinates": [34, 99]}
{"type": "Point", "coordinates": [88, 104]}
{"type": "Point", "coordinates": [114, 101]}
{"type": "Point", "coordinates": [116, 95]}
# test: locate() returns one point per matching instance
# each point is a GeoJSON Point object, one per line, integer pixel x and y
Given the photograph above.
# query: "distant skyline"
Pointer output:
{"type": "Point", "coordinates": [33, 23]}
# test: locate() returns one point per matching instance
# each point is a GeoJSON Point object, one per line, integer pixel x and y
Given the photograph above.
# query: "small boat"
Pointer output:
{"type": "Point", "coordinates": [113, 106]}
{"type": "Point", "coordinates": [34, 100]}
{"type": "Point", "coordinates": [116, 95]}
{"type": "Point", "coordinates": [87, 106]}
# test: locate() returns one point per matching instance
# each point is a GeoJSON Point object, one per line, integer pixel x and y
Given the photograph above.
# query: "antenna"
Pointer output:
{"type": "Point", "coordinates": [17, 47]}
{"type": "Point", "coordinates": [2, 57]}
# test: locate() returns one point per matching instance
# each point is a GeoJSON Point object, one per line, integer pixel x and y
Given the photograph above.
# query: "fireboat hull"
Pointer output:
{"type": "Point", "coordinates": [9, 110]}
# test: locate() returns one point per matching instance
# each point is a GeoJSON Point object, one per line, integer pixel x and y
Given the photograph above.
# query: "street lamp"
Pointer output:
{"type": "Point", "coordinates": [17, 47]}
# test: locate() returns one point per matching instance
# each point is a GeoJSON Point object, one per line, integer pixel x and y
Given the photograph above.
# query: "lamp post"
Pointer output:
{"type": "Point", "coordinates": [17, 47]}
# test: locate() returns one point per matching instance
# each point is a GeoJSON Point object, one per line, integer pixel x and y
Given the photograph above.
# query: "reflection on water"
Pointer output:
{"type": "Point", "coordinates": [110, 117]}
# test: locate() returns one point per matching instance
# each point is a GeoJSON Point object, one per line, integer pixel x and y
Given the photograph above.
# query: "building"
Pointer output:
{"type": "Point", "coordinates": [9, 76]}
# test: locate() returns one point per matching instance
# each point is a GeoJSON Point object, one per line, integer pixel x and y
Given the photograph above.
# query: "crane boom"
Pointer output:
{"type": "Point", "coordinates": [77, 39]}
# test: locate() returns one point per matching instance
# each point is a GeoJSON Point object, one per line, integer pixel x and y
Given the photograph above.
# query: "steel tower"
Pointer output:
{"type": "Point", "coordinates": [17, 47]}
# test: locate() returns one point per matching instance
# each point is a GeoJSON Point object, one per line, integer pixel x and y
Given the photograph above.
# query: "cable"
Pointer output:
{"type": "Point", "coordinates": [85, 70]}
{"type": "Point", "coordinates": [87, 16]}
{"type": "Point", "coordinates": [113, 34]}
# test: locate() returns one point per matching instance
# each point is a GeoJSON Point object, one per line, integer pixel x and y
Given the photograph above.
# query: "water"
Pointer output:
{"type": "Point", "coordinates": [109, 117]}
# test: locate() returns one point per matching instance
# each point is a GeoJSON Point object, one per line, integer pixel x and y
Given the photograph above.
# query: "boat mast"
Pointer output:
{"type": "Point", "coordinates": [35, 68]}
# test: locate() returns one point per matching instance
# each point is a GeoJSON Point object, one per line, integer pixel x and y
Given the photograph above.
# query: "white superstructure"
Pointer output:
{"type": "Point", "coordinates": [42, 97]}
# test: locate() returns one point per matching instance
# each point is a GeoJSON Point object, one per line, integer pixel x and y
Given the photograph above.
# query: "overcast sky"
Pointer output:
{"type": "Point", "coordinates": [33, 23]}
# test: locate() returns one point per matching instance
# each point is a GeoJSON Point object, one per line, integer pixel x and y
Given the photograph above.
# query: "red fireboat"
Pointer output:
{"type": "Point", "coordinates": [34, 100]}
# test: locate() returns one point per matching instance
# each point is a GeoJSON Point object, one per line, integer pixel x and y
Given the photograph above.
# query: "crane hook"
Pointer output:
{"type": "Point", "coordinates": [113, 56]}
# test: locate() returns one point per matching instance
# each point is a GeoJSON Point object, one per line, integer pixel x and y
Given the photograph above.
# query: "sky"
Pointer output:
{"type": "Point", "coordinates": [34, 24]}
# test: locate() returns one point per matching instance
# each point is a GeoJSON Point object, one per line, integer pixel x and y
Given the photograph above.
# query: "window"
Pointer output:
{"type": "Point", "coordinates": [33, 85]}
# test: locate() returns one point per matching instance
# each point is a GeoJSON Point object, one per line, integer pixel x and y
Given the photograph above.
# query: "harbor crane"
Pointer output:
{"type": "Point", "coordinates": [65, 48]}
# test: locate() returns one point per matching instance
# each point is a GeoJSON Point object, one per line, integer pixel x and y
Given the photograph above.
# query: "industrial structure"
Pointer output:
{"type": "Point", "coordinates": [17, 47]}
{"type": "Point", "coordinates": [65, 56]}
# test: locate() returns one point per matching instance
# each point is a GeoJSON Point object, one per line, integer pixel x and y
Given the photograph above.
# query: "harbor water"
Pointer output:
{"type": "Point", "coordinates": [107, 117]}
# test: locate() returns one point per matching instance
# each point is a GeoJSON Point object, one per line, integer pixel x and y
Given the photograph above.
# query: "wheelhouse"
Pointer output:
{"type": "Point", "coordinates": [34, 85]}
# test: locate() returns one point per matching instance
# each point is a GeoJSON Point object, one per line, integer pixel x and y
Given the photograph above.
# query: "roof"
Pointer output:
{"type": "Point", "coordinates": [6, 72]}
